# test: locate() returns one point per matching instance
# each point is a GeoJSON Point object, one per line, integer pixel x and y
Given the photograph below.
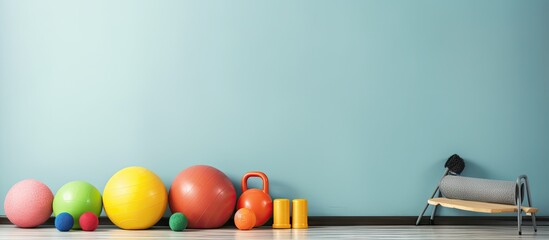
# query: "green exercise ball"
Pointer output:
{"type": "Point", "coordinates": [76, 198]}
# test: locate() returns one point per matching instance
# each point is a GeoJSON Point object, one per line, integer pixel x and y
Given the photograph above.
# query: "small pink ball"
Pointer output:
{"type": "Point", "coordinates": [28, 203]}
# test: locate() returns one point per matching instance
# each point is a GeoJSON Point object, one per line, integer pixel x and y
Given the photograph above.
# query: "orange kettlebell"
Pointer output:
{"type": "Point", "coordinates": [256, 200]}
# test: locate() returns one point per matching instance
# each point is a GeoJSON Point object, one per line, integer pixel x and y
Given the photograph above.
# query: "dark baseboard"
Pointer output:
{"type": "Point", "coordinates": [411, 220]}
{"type": "Point", "coordinates": [373, 220]}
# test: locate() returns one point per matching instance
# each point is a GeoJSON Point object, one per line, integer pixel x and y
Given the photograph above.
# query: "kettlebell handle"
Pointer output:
{"type": "Point", "coordinates": [255, 174]}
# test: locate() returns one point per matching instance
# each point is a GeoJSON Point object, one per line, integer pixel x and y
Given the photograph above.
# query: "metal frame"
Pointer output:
{"type": "Point", "coordinates": [432, 219]}
{"type": "Point", "coordinates": [521, 186]}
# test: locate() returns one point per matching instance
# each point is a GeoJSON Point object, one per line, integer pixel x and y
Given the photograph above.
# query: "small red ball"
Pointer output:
{"type": "Point", "coordinates": [88, 221]}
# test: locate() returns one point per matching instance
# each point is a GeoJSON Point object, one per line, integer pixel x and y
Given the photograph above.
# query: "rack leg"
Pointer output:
{"type": "Point", "coordinates": [519, 209]}
{"type": "Point", "coordinates": [432, 195]}
{"type": "Point", "coordinates": [421, 214]}
{"type": "Point", "coordinates": [432, 219]}
{"type": "Point", "coordinates": [530, 202]}
{"type": "Point", "coordinates": [519, 222]}
{"type": "Point", "coordinates": [534, 222]}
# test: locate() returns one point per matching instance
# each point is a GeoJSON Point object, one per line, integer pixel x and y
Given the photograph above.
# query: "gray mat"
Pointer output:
{"type": "Point", "coordinates": [478, 189]}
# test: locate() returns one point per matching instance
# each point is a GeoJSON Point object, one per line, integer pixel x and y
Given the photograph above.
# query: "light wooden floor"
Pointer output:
{"type": "Point", "coordinates": [347, 232]}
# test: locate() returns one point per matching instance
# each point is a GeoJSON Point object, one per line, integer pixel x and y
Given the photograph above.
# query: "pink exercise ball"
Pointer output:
{"type": "Point", "coordinates": [28, 203]}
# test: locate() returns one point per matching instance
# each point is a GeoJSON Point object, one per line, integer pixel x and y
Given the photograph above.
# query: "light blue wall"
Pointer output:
{"type": "Point", "coordinates": [354, 105]}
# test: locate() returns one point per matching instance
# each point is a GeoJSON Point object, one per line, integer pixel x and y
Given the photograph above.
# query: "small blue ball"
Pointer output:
{"type": "Point", "coordinates": [64, 222]}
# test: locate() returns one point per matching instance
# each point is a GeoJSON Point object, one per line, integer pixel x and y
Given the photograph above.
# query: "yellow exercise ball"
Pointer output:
{"type": "Point", "coordinates": [135, 198]}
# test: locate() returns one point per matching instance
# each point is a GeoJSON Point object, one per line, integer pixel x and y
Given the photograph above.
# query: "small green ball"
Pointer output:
{"type": "Point", "coordinates": [178, 222]}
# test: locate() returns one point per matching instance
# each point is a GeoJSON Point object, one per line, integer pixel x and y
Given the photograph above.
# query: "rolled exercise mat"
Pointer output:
{"type": "Point", "coordinates": [478, 189]}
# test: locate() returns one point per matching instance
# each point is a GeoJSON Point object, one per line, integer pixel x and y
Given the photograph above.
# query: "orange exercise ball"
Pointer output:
{"type": "Point", "coordinates": [204, 195]}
